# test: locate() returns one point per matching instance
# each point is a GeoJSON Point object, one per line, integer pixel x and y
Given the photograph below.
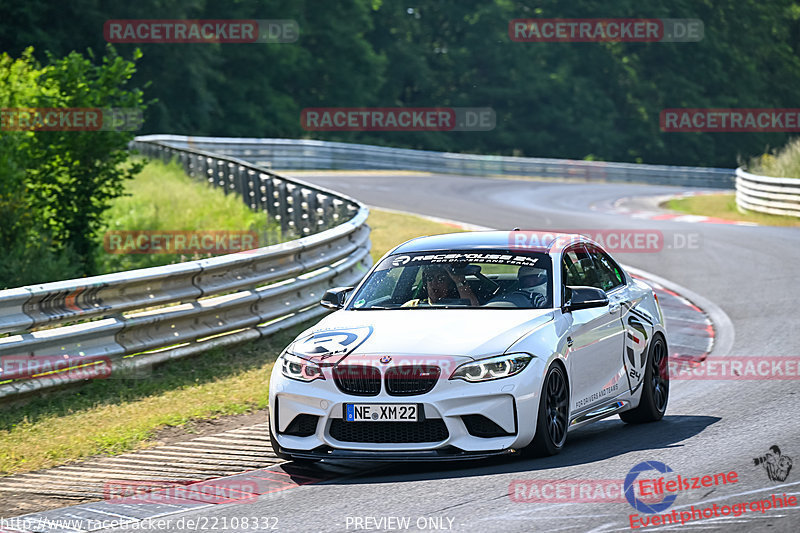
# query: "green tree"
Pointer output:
{"type": "Point", "coordinates": [575, 100]}
{"type": "Point", "coordinates": [54, 185]}
{"type": "Point", "coordinates": [26, 249]}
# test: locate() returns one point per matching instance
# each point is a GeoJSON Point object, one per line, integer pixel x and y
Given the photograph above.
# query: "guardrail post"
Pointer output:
{"type": "Point", "coordinates": [251, 198]}
{"type": "Point", "coordinates": [313, 212]}
{"type": "Point", "coordinates": [297, 208]}
{"type": "Point", "coordinates": [283, 206]}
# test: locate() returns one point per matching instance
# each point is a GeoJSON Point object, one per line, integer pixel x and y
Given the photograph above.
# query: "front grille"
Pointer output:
{"type": "Point", "coordinates": [302, 426]}
{"type": "Point", "coordinates": [430, 430]}
{"type": "Point", "coordinates": [411, 380]}
{"type": "Point", "coordinates": [480, 426]}
{"type": "Point", "coordinates": [359, 380]}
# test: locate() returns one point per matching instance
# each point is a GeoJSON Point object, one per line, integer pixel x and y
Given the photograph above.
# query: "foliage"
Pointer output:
{"type": "Point", "coordinates": [163, 198]}
{"type": "Point", "coordinates": [782, 163]}
{"type": "Point", "coordinates": [575, 100]}
{"type": "Point", "coordinates": [55, 185]}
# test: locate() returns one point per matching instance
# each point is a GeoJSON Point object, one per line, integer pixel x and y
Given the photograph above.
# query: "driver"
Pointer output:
{"type": "Point", "coordinates": [441, 283]}
{"type": "Point", "coordinates": [533, 281]}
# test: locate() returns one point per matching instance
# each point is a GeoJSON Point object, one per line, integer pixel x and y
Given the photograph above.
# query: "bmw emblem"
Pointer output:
{"type": "Point", "coordinates": [386, 359]}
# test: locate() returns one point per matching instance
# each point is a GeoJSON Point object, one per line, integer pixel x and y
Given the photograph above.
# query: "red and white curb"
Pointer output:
{"type": "Point", "coordinates": [619, 208]}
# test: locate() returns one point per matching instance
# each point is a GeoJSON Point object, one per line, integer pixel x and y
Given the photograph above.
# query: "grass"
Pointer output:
{"type": "Point", "coordinates": [783, 163]}
{"type": "Point", "coordinates": [117, 415]}
{"type": "Point", "coordinates": [724, 206]}
{"type": "Point", "coordinates": [163, 198]}
{"type": "Point", "coordinates": [390, 229]}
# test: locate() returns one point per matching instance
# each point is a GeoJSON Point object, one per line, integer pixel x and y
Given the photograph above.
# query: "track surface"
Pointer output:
{"type": "Point", "coordinates": [710, 427]}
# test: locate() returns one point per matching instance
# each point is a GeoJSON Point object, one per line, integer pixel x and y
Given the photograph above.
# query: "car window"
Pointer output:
{"type": "Point", "coordinates": [385, 284]}
{"type": "Point", "coordinates": [609, 275]}
{"type": "Point", "coordinates": [465, 279]}
{"type": "Point", "coordinates": [578, 268]}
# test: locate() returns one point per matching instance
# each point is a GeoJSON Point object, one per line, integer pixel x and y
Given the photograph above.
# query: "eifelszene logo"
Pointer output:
{"type": "Point", "coordinates": [666, 486]}
{"type": "Point", "coordinates": [639, 504]}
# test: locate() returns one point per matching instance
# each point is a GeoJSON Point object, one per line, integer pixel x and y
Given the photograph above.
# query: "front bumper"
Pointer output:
{"type": "Point", "coordinates": [440, 454]}
{"type": "Point", "coordinates": [510, 403]}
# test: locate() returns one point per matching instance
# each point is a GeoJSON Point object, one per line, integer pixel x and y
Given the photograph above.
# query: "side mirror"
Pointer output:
{"type": "Point", "coordinates": [335, 298]}
{"type": "Point", "coordinates": [576, 298]}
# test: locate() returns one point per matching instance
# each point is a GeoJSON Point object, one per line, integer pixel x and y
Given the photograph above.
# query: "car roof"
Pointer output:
{"type": "Point", "coordinates": [518, 240]}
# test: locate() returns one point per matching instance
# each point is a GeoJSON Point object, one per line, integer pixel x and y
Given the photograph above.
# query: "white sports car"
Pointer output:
{"type": "Point", "coordinates": [467, 345]}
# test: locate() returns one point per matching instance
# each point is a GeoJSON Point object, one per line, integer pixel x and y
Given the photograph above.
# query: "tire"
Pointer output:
{"type": "Point", "coordinates": [552, 417]}
{"type": "Point", "coordinates": [655, 387]}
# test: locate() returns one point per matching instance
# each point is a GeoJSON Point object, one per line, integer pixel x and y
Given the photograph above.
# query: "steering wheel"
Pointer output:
{"type": "Point", "coordinates": [538, 301]}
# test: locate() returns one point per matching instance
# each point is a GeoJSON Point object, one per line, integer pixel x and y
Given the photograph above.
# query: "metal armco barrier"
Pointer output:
{"type": "Point", "coordinates": [298, 154]}
{"type": "Point", "coordinates": [132, 320]}
{"type": "Point", "coordinates": [776, 196]}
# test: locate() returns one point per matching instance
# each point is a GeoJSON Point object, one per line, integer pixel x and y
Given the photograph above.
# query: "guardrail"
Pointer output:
{"type": "Point", "coordinates": [776, 196]}
{"type": "Point", "coordinates": [112, 324]}
{"type": "Point", "coordinates": [298, 154]}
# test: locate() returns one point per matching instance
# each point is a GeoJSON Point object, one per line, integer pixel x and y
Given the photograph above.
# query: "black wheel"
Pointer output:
{"type": "Point", "coordinates": [655, 388]}
{"type": "Point", "coordinates": [553, 416]}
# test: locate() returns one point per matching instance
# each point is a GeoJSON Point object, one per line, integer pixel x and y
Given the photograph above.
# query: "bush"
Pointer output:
{"type": "Point", "coordinates": [55, 185]}
{"type": "Point", "coordinates": [782, 163]}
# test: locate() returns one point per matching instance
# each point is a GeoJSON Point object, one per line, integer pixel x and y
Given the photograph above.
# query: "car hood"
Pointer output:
{"type": "Point", "coordinates": [431, 332]}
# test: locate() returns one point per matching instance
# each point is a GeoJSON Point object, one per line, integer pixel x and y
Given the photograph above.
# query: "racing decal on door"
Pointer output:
{"type": "Point", "coordinates": [330, 346]}
{"type": "Point", "coordinates": [636, 336]}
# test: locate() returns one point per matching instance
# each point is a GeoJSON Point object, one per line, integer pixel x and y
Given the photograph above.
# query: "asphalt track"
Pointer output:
{"type": "Point", "coordinates": [711, 426]}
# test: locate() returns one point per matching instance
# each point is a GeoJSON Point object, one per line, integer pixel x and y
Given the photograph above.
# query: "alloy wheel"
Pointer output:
{"type": "Point", "coordinates": [556, 407]}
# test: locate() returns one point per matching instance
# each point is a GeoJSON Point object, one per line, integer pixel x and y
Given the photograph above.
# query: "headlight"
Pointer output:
{"type": "Point", "coordinates": [498, 367]}
{"type": "Point", "coordinates": [294, 367]}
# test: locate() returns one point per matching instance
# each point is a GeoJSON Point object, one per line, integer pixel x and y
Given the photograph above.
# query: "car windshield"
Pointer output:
{"type": "Point", "coordinates": [458, 279]}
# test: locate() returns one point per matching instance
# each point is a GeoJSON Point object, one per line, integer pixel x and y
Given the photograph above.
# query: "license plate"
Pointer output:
{"type": "Point", "coordinates": [381, 412]}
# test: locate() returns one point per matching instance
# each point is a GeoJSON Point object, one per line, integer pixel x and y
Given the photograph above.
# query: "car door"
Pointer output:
{"type": "Point", "coordinates": [597, 337]}
{"type": "Point", "coordinates": [638, 327]}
